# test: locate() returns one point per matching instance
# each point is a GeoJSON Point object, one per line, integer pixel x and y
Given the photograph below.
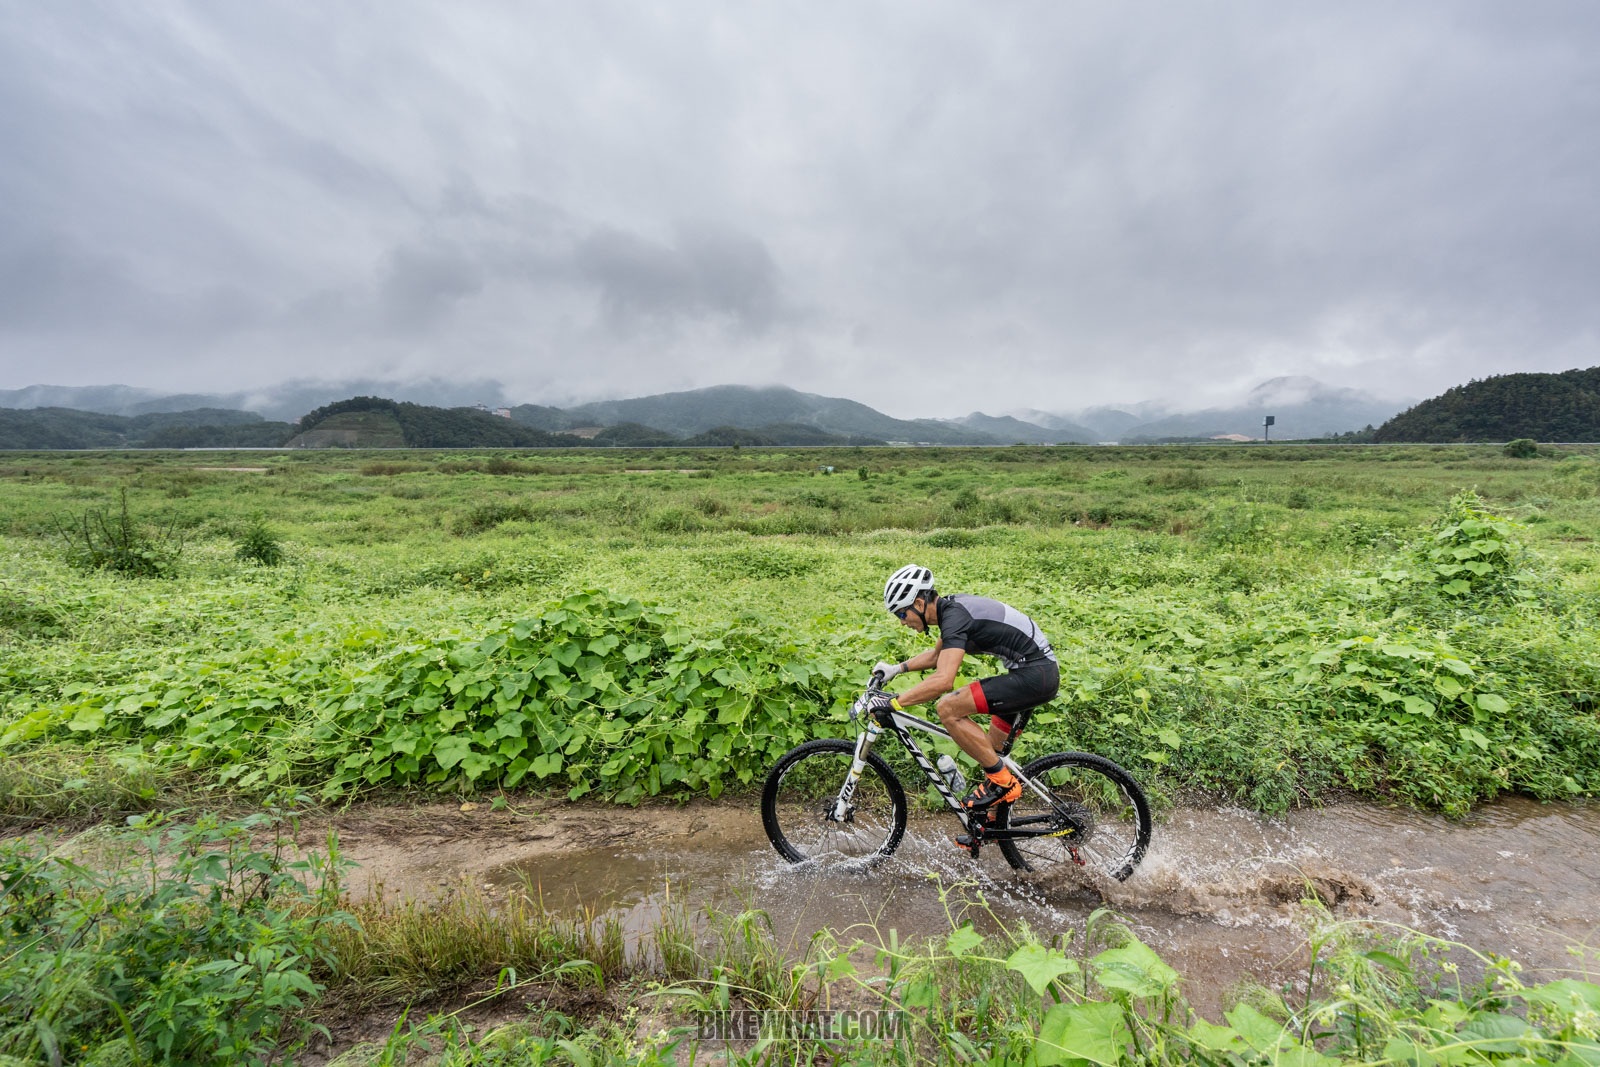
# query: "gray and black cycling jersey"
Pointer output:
{"type": "Point", "coordinates": [981, 626]}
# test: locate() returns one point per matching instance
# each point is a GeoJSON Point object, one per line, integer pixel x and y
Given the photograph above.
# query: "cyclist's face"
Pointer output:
{"type": "Point", "coordinates": [912, 616]}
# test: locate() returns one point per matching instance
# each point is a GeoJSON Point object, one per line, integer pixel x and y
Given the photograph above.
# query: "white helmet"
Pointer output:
{"type": "Point", "coordinates": [905, 585]}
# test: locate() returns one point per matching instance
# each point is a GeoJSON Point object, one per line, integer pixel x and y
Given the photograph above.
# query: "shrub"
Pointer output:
{"type": "Point", "coordinates": [257, 544]}
{"type": "Point", "coordinates": [1521, 448]}
{"type": "Point", "coordinates": [97, 540]}
{"type": "Point", "coordinates": [674, 519]}
{"type": "Point", "coordinates": [709, 505]}
{"type": "Point", "coordinates": [1236, 525]}
{"type": "Point", "coordinates": [770, 562]}
{"type": "Point", "coordinates": [1473, 550]}
{"type": "Point", "coordinates": [1183, 478]}
{"type": "Point", "coordinates": [952, 539]}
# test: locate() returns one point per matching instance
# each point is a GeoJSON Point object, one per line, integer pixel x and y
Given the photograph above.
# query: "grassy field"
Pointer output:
{"type": "Point", "coordinates": [1268, 625]}
{"type": "Point", "coordinates": [1263, 623]}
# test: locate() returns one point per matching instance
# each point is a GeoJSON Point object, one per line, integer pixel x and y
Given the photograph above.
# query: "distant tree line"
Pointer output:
{"type": "Point", "coordinates": [50, 428]}
{"type": "Point", "coordinates": [1543, 407]}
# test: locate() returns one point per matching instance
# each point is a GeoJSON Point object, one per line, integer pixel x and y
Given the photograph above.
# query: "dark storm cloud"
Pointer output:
{"type": "Point", "coordinates": [1039, 204]}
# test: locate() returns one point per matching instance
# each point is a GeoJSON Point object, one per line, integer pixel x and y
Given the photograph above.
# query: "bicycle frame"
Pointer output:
{"type": "Point", "coordinates": [901, 723]}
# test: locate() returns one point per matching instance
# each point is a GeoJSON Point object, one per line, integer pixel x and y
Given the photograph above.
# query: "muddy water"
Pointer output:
{"type": "Point", "coordinates": [1218, 895]}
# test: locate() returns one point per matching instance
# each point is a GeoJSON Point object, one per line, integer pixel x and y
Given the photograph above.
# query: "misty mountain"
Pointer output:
{"type": "Point", "coordinates": [378, 422]}
{"type": "Point", "coordinates": [1302, 407]}
{"type": "Point", "coordinates": [284, 402]}
{"type": "Point", "coordinates": [107, 399]}
{"type": "Point", "coordinates": [53, 428]}
{"type": "Point", "coordinates": [1011, 430]}
{"type": "Point", "coordinates": [551, 419]}
{"type": "Point", "coordinates": [1109, 424]}
{"type": "Point", "coordinates": [748, 407]}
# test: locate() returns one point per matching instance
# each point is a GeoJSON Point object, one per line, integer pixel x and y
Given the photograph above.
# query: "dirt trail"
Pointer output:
{"type": "Point", "coordinates": [421, 850]}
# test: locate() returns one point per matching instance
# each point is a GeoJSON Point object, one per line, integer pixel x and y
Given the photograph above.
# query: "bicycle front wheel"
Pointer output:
{"type": "Point", "coordinates": [798, 802]}
{"type": "Point", "coordinates": [1095, 818]}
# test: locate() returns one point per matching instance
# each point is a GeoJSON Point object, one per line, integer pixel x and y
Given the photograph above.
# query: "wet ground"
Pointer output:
{"type": "Point", "coordinates": [1218, 895]}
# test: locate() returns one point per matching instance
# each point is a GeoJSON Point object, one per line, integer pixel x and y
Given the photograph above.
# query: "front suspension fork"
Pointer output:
{"type": "Point", "coordinates": [841, 803]}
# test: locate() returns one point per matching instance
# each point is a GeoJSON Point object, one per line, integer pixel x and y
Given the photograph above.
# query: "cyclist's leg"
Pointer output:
{"type": "Point", "coordinates": [1009, 698]}
{"type": "Point", "coordinates": [1002, 732]}
{"type": "Point", "coordinates": [1004, 698]}
{"type": "Point", "coordinates": [955, 714]}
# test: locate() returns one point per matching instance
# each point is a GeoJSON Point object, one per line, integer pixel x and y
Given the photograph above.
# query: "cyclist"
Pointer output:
{"type": "Point", "coordinates": [972, 625]}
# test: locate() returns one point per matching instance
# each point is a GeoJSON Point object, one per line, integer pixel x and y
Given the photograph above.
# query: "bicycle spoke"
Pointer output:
{"type": "Point", "coordinates": [1095, 822]}
{"type": "Point", "coordinates": [799, 799]}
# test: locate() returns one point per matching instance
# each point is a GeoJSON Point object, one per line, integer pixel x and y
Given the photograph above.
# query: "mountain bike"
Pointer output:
{"type": "Point", "coordinates": [833, 800]}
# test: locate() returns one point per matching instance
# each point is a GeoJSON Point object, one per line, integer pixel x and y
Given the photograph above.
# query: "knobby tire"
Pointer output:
{"type": "Point", "coordinates": [798, 796]}
{"type": "Point", "coordinates": [1105, 809]}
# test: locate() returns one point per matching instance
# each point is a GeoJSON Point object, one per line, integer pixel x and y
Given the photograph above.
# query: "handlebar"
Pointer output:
{"type": "Point", "coordinates": [874, 685]}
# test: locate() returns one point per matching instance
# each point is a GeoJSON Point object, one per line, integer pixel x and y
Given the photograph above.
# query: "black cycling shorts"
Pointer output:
{"type": "Point", "coordinates": [1005, 696]}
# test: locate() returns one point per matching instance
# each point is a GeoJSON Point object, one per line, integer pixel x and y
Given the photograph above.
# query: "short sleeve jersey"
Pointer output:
{"type": "Point", "coordinates": [980, 626]}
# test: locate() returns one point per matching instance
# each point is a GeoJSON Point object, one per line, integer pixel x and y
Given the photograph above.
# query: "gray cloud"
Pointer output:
{"type": "Point", "coordinates": [707, 271]}
{"type": "Point", "coordinates": [1038, 205]}
{"type": "Point", "coordinates": [421, 284]}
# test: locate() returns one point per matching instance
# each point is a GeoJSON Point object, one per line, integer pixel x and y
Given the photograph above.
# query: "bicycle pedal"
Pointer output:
{"type": "Point", "coordinates": [967, 843]}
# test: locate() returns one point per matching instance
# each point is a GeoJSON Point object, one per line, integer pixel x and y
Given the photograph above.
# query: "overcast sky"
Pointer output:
{"type": "Point", "coordinates": [930, 207]}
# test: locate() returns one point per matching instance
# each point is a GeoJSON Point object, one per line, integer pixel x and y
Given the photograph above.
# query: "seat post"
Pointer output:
{"type": "Point", "coordinates": [1016, 728]}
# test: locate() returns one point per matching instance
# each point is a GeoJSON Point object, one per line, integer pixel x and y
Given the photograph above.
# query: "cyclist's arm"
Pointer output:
{"type": "Point", "coordinates": [946, 664]}
{"type": "Point", "coordinates": [924, 661]}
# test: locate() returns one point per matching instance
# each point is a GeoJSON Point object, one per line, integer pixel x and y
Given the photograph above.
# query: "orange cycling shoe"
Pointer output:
{"type": "Point", "coordinates": [1001, 787]}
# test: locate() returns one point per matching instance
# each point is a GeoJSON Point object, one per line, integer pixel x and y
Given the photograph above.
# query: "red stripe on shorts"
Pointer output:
{"type": "Point", "coordinates": [979, 701]}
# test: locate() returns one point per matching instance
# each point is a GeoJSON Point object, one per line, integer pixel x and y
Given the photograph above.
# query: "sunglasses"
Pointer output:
{"type": "Point", "coordinates": [902, 613]}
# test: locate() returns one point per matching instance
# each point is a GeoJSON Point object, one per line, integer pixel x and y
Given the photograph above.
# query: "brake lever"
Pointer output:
{"type": "Point", "coordinates": [874, 685]}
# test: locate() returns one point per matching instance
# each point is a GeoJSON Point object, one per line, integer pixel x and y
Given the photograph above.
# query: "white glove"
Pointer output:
{"type": "Point", "coordinates": [888, 670]}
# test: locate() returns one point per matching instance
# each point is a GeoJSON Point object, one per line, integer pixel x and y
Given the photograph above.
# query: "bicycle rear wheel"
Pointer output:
{"type": "Point", "coordinates": [797, 806]}
{"type": "Point", "coordinates": [1096, 819]}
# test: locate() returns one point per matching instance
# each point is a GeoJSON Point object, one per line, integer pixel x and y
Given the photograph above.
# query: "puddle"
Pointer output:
{"type": "Point", "coordinates": [1217, 895]}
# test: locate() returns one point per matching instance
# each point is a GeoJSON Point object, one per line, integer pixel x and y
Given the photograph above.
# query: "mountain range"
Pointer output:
{"type": "Point", "coordinates": [1302, 407]}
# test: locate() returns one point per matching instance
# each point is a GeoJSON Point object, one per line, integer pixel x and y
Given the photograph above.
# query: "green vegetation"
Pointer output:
{"type": "Point", "coordinates": [97, 540]}
{"type": "Point", "coordinates": [373, 422]}
{"type": "Point", "coordinates": [258, 544]}
{"type": "Point", "coordinates": [1273, 625]}
{"type": "Point", "coordinates": [1543, 407]}
{"type": "Point", "coordinates": [167, 942]}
